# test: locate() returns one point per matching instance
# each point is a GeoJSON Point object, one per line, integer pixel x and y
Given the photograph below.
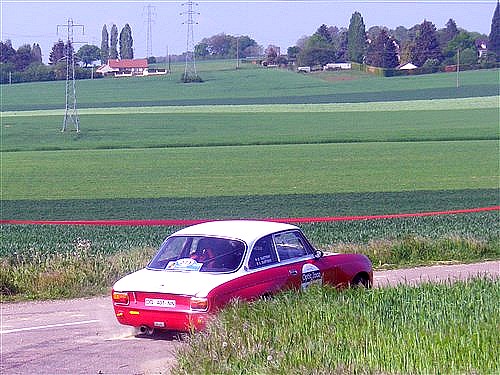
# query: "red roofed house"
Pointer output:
{"type": "Point", "coordinates": [124, 68]}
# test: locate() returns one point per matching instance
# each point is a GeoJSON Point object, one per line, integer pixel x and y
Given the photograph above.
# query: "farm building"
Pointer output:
{"type": "Point", "coordinates": [128, 68]}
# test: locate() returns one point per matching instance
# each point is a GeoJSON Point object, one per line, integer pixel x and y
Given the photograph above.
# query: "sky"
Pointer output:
{"type": "Point", "coordinates": [277, 22]}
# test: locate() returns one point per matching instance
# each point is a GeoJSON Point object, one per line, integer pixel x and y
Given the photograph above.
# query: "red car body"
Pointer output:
{"type": "Point", "coordinates": [187, 281]}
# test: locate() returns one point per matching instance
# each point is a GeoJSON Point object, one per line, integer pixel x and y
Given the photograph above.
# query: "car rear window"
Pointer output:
{"type": "Point", "coordinates": [199, 254]}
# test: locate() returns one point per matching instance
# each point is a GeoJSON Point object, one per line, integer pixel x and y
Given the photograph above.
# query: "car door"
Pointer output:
{"type": "Point", "coordinates": [297, 256]}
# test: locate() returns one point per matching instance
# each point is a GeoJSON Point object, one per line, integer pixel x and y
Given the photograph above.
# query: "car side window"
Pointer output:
{"type": "Point", "coordinates": [290, 245]}
{"type": "Point", "coordinates": [263, 253]}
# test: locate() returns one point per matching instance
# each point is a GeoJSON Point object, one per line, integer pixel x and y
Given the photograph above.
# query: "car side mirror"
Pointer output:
{"type": "Point", "coordinates": [318, 254]}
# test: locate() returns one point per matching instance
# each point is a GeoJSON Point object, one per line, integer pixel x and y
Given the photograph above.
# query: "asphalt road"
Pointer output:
{"type": "Point", "coordinates": [82, 336]}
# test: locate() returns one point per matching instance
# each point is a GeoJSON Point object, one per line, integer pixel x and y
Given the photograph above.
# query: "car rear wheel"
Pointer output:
{"type": "Point", "coordinates": [360, 280]}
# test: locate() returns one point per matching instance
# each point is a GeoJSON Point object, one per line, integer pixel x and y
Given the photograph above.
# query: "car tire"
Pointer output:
{"type": "Point", "coordinates": [360, 281]}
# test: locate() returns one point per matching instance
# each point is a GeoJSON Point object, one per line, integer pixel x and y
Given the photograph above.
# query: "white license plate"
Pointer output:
{"type": "Point", "coordinates": [156, 302]}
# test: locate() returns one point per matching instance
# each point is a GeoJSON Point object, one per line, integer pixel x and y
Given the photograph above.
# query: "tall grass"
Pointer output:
{"type": "Point", "coordinates": [42, 261]}
{"type": "Point", "coordinates": [430, 329]}
{"type": "Point", "coordinates": [79, 273]}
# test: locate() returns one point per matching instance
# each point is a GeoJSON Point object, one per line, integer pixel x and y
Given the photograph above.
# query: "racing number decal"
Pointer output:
{"type": "Point", "coordinates": [310, 275]}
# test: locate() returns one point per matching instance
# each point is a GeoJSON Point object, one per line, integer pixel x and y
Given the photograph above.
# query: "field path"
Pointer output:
{"type": "Point", "coordinates": [81, 336]}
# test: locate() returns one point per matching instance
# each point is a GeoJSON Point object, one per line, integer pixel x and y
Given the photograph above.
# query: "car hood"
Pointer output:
{"type": "Point", "coordinates": [172, 282]}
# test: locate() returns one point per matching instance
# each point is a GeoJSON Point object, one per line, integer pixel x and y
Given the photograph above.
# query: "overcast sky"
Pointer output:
{"type": "Point", "coordinates": [278, 22]}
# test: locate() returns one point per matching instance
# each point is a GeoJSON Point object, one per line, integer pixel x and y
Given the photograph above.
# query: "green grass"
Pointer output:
{"type": "Point", "coordinates": [248, 86]}
{"type": "Point", "coordinates": [431, 329]}
{"type": "Point", "coordinates": [250, 170]}
{"type": "Point", "coordinates": [233, 128]}
{"type": "Point", "coordinates": [250, 206]}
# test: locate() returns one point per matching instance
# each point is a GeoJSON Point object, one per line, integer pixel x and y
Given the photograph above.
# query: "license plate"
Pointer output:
{"type": "Point", "coordinates": [156, 302]}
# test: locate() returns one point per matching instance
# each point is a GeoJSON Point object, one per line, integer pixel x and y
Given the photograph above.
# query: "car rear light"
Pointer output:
{"type": "Point", "coordinates": [121, 298]}
{"type": "Point", "coordinates": [199, 304]}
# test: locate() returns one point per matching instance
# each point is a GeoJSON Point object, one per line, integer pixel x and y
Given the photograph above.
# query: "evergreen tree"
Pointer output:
{"type": "Point", "coordinates": [382, 51]}
{"type": "Point", "coordinates": [450, 31]}
{"type": "Point", "coordinates": [104, 45]}
{"type": "Point", "coordinates": [324, 33]}
{"type": "Point", "coordinates": [494, 39]}
{"type": "Point", "coordinates": [113, 43]}
{"type": "Point", "coordinates": [36, 53]}
{"type": "Point", "coordinates": [426, 44]}
{"type": "Point", "coordinates": [356, 38]}
{"type": "Point", "coordinates": [57, 53]}
{"type": "Point", "coordinates": [126, 42]}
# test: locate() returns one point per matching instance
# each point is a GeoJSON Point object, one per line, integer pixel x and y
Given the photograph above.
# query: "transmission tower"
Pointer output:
{"type": "Point", "coordinates": [150, 13]}
{"type": "Point", "coordinates": [190, 74]}
{"type": "Point", "coordinates": [70, 112]}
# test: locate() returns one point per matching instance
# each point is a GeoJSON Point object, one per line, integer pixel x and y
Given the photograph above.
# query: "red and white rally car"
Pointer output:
{"type": "Point", "coordinates": [199, 269]}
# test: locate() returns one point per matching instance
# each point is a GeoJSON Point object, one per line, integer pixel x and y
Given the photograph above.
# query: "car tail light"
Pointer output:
{"type": "Point", "coordinates": [199, 304]}
{"type": "Point", "coordinates": [121, 298]}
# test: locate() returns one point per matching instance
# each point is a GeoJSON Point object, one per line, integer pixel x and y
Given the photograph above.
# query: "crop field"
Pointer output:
{"type": "Point", "coordinates": [248, 143]}
{"type": "Point", "coordinates": [430, 329]}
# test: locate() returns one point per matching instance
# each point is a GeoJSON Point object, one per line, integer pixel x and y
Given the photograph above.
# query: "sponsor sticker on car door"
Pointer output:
{"type": "Point", "coordinates": [310, 275]}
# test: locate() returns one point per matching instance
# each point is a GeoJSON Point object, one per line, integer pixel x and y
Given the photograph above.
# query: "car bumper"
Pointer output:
{"type": "Point", "coordinates": [183, 321]}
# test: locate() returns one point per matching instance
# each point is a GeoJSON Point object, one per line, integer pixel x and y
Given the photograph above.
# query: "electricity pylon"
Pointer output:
{"type": "Point", "coordinates": [70, 112]}
{"type": "Point", "coordinates": [190, 74]}
{"type": "Point", "coordinates": [151, 13]}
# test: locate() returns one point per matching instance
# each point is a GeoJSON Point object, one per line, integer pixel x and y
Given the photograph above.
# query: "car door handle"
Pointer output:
{"type": "Point", "coordinates": [292, 272]}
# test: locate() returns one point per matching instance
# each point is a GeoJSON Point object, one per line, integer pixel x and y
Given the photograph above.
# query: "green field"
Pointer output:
{"type": "Point", "coordinates": [247, 134]}
{"type": "Point", "coordinates": [258, 143]}
{"type": "Point", "coordinates": [251, 85]}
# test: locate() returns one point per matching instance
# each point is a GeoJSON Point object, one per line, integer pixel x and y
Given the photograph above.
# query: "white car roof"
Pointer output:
{"type": "Point", "coordinates": [246, 230]}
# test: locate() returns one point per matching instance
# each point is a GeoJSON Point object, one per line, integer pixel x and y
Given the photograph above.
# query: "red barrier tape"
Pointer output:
{"type": "Point", "coordinates": [282, 220]}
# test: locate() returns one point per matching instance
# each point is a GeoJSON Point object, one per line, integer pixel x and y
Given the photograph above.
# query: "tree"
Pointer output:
{"type": "Point", "coordinates": [7, 53]}
{"type": "Point", "coordinates": [113, 43]}
{"type": "Point", "coordinates": [88, 54]}
{"type": "Point", "coordinates": [23, 57]}
{"type": "Point", "coordinates": [324, 33]}
{"type": "Point", "coordinates": [57, 53]}
{"type": "Point", "coordinates": [426, 44]}
{"type": "Point", "coordinates": [316, 56]}
{"type": "Point", "coordinates": [448, 33]}
{"type": "Point", "coordinates": [356, 38]}
{"type": "Point", "coordinates": [36, 53]}
{"type": "Point", "coordinates": [104, 45]}
{"type": "Point", "coordinates": [126, 43]}
{"type": "Point", "coordinates": [224, 46]}
{"type": "Point", "coordinates": [272, 53]}
{"type": "Point", "coordinates": [494, 38]}
{"type": "Point", "coordinates": [292, 52]}
{"type": "Point", "coordinates": [382, 51]}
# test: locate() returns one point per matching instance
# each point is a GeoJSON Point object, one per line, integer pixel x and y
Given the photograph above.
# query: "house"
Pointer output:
{"type": "Point", "coordinates": [124, 68]}
{"type": "Point", "coordinates": [337, 66]}
{"type": "Point", "coordinates": [407, 66]}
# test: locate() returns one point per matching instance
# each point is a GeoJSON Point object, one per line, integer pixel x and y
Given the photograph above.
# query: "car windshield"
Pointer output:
{"type": "Point", "coordinates": [199, 254]}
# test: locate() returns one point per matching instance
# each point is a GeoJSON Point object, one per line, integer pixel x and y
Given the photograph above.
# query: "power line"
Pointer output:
{"type": "Point", "coordinates": [70, 112]}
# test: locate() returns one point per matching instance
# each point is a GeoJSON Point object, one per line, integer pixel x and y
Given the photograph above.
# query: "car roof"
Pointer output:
{"type": "Point", "coordinates": [246, 230]}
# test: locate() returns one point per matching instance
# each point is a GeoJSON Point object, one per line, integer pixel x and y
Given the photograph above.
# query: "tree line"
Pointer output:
{"type": "Point", "coordinates": [423, 45]}
{"type": "Point", "coordinates": [25, 64]}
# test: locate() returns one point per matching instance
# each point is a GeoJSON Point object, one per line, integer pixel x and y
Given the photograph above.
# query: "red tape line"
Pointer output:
{"type": "Point", "coordinates": [282, 220]}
